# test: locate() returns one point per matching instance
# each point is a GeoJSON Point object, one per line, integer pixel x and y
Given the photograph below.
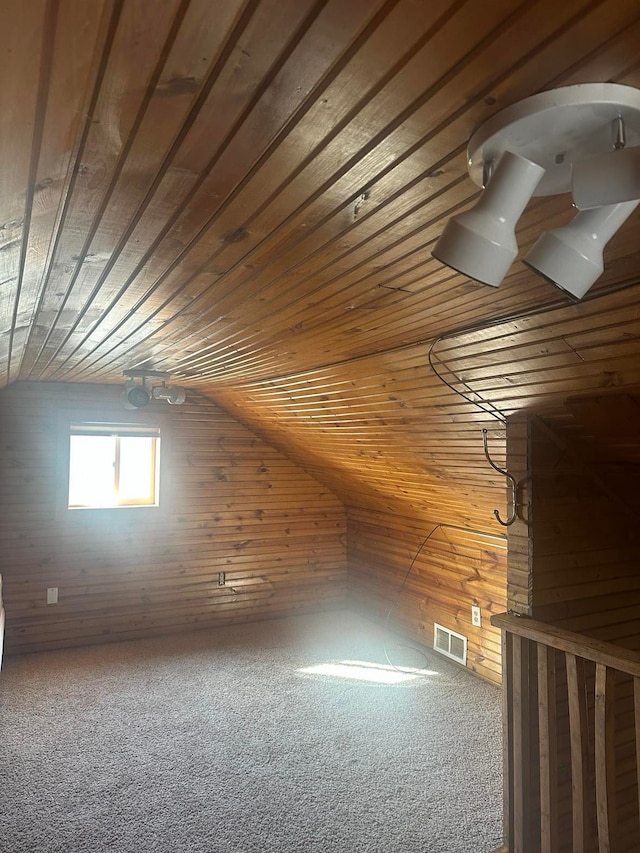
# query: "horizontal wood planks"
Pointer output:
{"type": "Point", "coordinates": [399, 575]}
{"type": "Point", "coordinates": [584, 504]}
{"type": "Point", "coordinates": [576, 561]}
{"type": "Point", "coordinates": [246, 194]}
{"type": "Point", "coordinates": [229, 503]}
{"type": "Point", "coordinates": [519, 558]}
{"type": "Point", "coordinates": [585, 578]}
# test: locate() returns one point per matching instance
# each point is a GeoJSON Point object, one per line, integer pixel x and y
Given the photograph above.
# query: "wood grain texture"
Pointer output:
{"type": "Point", "coordinates": [230, 503]}
{"type": "Point", "coordinates": [548, 740]}
{"type": "Point", "coordinates": [247, 193]}
{"type": "Point", "coordinates": [605, 763]}
{"type": "Point", "coordinates": [585, 704]}
{"type": "Point", "coordinates": [412, 576]}
{"type": "Point", "coordinates": [577, 567]}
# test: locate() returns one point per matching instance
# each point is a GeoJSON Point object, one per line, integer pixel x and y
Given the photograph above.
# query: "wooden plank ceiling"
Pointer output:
{"type": "Point", "coordinates": [246, 193]}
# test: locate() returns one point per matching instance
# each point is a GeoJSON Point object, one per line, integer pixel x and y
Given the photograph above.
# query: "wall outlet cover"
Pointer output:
{"type": "Point", "coordinates": [52, 595]}
{"type": "Point", "coordinates": [476, 618]}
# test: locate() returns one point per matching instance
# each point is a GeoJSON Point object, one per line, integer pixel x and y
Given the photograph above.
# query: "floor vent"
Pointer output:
{"type": "Point", "coordinates": [449, 643]}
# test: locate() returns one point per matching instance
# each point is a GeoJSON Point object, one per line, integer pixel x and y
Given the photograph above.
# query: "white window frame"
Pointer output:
{"type": "Point", "coordinates": [118, 430]}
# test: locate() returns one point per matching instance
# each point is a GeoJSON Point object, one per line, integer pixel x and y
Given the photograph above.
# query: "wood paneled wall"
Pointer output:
{"type": "Point", "coordinates": [519, 547]}
{"type": "Point", "coordinates": [230, 503]}
{"type": "Point", "coordinates": [585, 573]}
{"type": "Point", "coordinates": [585, 538]}
{"type": "Point", "coordinates": [576, 562]}
{"type": "Point", "coordinates": [454, 570]}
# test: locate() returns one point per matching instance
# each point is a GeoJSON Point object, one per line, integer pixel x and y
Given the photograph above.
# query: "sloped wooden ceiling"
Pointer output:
{"type": "Point", "coordinates": [246, 193]}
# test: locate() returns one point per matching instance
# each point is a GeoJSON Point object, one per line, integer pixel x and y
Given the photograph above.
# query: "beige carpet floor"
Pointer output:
{"type": "Point", "coordinates": [288, 735]}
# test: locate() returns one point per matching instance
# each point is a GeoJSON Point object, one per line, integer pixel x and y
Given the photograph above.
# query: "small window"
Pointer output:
{"type": "Point", "coordinates": [113, 465]}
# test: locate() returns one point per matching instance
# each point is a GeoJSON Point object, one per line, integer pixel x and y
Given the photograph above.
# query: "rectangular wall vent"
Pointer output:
{"type": "Point", "coordinates": [449, 643]}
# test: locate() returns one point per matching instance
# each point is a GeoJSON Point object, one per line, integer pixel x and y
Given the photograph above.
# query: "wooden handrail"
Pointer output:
{"type": "Point", "coordinates": [597, 651]}
{"type": "Point", "coordinates": [587, 715]}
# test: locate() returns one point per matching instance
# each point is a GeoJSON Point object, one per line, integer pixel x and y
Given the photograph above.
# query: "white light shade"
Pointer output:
{"type": "Point", "coordinates": [481, 242]}
{"type": "Point", "coordinates": [609, 178]}
{"type": "Point", "coordinates": [571, 257]}
{"type": "Point", "coordinates": [174, 394]}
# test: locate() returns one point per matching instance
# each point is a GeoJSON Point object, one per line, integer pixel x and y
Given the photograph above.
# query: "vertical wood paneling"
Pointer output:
{"type": "Point", "coordinates": [636, 708]}
{"type": "Point", "coordinates": [230, 503]}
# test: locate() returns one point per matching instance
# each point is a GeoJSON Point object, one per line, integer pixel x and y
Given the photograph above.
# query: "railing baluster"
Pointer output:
{"type": "Point", "coordinates": [534, 775]}
{"type": "Point", "coordinates": [507, 739]}
{"type": "Point", "coordinates": [636, 702]}
{"type": "Point", "coordinates": [548, 749]}
{"type": "Point", "coordinates": [605, 757]}
{"type": "Point", "coordinates": [579, 752]}
{"type": "Point", "coordinates": [522, 753]}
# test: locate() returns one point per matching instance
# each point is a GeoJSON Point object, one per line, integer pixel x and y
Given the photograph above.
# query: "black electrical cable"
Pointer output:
{"type": "Point", "coordinates": [393, 605]}
{"type": "Point", "coordinates": [496, 413]}
{"type": "Point", "coordinates": [555, 305]}
{"type": "Point", "coordinates": [397, 598]}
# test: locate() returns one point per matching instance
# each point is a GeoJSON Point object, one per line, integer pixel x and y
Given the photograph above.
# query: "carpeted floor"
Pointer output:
{"type": "Point", "coordinates": [221, 741]}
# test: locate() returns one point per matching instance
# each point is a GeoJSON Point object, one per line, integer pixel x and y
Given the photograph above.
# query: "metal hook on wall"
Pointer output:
{"type": "Point", "coordinates": [512, 483]}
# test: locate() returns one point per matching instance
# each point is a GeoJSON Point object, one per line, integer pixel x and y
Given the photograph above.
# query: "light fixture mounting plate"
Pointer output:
{"type": "Point", "coordinates": [554, 128]}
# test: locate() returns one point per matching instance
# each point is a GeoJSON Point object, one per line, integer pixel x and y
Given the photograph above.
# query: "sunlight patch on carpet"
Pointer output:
{"type": "Point", "coordinates": [365, 671]}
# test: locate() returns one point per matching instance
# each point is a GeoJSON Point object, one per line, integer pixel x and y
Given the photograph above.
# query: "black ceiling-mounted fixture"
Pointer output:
{"type": "Point", "coordinates": [137, 395]}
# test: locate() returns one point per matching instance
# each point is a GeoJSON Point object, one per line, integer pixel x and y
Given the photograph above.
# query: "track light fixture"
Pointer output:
{"type": "Point", "coordinates": [137, 395]}
{"type": "Point", "coordinates": [571, 257]}
{"type": "Point", "coordinates": [173, 394]}
{"type": "Point", "coordinates": [584, 138]}
{"type": "Point", "coordinates": [481, 243]}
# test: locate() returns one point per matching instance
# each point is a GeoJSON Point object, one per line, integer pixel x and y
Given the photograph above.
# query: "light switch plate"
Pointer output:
{"type": "Point", "coordinates": [52, 595]}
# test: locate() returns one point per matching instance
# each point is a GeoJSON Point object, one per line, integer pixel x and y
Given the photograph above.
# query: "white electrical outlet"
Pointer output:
{"type": "Point", "coordinates": [52, 595]}
{"type": "Point", "coordinates": [476, 619]}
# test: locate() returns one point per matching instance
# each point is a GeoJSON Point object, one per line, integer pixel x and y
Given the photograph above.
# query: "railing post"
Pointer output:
{"type": "Point", "coordinates": [636, 705]}
{"type": "Point", "coordinates": [524, 768]}
{"type": "Point", "coordinates": [536, 781]}
{"type": "Point", "coordinates": [507, 739]}
{"type": "Point", "coordinates": [579, 737]}
{"type": "Point", "coordinates": [605, 757]}
{"type": "Point", "coordinates": [547, 722]}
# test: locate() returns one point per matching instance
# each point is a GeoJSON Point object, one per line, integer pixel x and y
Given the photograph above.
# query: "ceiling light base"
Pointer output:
{"type": "Point", "coordinates": [555, 128]}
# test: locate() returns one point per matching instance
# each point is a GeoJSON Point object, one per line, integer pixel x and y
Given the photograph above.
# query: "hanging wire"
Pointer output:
{"type": "Point", "coordinates": [440, 526]}
{"type": "Point", "coordinates": [397, 599]}
{"type": "Point", "coordinates": [494, 411]}
{"type": "Point", "coordinates": [483, 405]}
{"type": "Point", "coordinates": [483, 325]}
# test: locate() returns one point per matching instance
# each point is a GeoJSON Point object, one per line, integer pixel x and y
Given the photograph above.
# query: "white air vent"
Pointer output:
{"type": "Point", "coordinates": [449, 643]}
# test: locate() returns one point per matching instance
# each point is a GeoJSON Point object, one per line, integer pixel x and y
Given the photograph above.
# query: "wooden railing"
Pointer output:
{"type": "Point", "coordinates": [571, 736]}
